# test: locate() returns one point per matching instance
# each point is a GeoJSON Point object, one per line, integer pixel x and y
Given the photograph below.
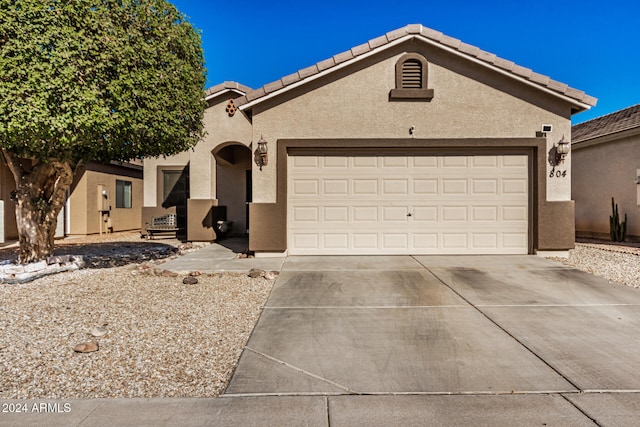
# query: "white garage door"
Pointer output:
{"type": "Point", "coordinates": [407, 205]}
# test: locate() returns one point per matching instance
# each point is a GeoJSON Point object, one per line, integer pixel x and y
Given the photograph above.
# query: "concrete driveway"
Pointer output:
{"type": "Point", "coordinates": [508, 334]}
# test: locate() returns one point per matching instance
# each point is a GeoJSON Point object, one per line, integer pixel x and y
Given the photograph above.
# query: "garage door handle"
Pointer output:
{"type": "Point", "coordinates": [409, 214]}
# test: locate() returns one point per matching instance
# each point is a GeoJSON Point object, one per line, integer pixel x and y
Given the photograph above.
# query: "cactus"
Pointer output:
{"type": "Point", "coordinates": [617, 229]}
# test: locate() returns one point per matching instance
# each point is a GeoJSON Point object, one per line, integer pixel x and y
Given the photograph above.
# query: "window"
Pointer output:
{"type": "Point", "coordinates": [411, 79]}
{"type": "Point", "coordinates": [123, 194]}
{"type": "Point", "coordinates": [170, 183]}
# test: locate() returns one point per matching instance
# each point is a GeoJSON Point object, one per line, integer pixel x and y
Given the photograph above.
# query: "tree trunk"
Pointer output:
{"type": "Point", "coordinates": [40, 195]}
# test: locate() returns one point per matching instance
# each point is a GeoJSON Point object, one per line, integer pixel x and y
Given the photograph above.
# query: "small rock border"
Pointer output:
{"type": "Point", "coordinates": [22, 273]}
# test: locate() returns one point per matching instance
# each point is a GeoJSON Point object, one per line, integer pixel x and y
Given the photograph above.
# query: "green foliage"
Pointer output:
{"type": "Point", "coordinates": [617, 229]}
{"type": "Point", "coordinates": [98, 80]}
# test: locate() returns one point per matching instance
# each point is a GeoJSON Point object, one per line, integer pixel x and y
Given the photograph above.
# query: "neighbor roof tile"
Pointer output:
{"type": "Point", "coordinates": [628, 118]}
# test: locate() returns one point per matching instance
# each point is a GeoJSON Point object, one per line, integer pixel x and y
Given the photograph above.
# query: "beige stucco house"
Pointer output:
{"type": "Point", "coordinates": [411, 143]}
{"type": "Point", "coordinates": [102, 198]}
{"type": "Point", "coordinates": [606, 164]}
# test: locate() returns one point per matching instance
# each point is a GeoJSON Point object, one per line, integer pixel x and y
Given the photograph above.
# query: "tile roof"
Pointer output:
{"type": "Point", "coordinates": [628, 118]}
{"type": "Point", "coordinates": [417, 30]}
{"type": "Point", "coordinates": [226, 86]}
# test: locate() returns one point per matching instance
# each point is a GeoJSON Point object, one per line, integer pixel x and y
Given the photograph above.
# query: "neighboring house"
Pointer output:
{"type": "Point", "coordinates": [606, 164]}
{"type": "Point", "coordinates": [105, 198]}
{"type": "Point", "coordinates": [412, 143]}
{"type": "Point", "coordinates": [102, 198]}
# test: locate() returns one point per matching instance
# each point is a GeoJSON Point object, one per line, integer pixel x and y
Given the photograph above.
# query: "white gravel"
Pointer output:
{"type": "Point", "coordinates": [616, 263]}
{"type": "Point", "coordinates": [164, 338]}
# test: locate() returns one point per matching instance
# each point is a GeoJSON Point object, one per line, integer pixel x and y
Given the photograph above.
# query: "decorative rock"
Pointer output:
{"type": "Point", "coordinates": [190, 280]}
{"type": "Point", "coordinates": [167, 273]}
{"type": "Point", "coordinates": [86, 347]}
{"type": "Point", "coordinates": [98, 331]}
{"type": "Point", "coordinates": [256, 272]}
{"type": "Point", "coordinates": [195, 273]}
{"type": "Point", "coordinates": [35, 266]}
{"type": "Point", "coordinates": [58, 259]}
{"type": "Point", "coordinates": [270, 275]}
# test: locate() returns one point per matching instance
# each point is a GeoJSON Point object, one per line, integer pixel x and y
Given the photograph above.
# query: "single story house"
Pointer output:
{"type": "Point", "coordinates": [411, 143]}
{"type": "Point", "coordinates": [102, 198]}
{"type": "Point", "coordinates": [606, 164]}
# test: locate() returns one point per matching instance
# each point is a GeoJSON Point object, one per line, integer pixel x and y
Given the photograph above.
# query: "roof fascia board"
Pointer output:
{"type": "Point", "coordinates": [398, 41]}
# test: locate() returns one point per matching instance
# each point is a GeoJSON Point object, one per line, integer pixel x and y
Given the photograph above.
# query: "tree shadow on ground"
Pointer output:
{"type": "Point", "coordinates": [107, 254]}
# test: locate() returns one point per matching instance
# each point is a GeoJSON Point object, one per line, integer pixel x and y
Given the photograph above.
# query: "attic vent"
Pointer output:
{"type": "Point", "coordinates": [411, 79]}
{"type": "Point", "coordinates": [411, 74]}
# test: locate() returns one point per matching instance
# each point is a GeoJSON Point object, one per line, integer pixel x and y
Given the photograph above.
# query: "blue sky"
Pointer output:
{"type": "Point", "coordinates": [589, 45]}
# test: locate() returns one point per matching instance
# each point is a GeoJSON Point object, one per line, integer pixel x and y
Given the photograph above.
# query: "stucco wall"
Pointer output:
{"type": "Point", "coordinates": [151, 174]}
{"type": "Point", "coordinates": [469, 102]}
{"type": "Point", "coordinates": [7, 185]}
{"type": "Point", "coordinates": [602, 171]}
{"type": "Point", "coordinates": [221, 130]}
{"type": "Point", "coordinates": [85, 218]}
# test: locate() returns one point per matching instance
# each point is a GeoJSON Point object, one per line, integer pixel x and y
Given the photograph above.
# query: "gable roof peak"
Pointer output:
{"type": "Point", "coordinates": [226, 87]}
{"type": "Point", "coordinates": [577, 97]}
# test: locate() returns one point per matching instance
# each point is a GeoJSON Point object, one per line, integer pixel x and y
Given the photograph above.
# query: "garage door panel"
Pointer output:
{"type": "Point", "coordinates": [454, 186]}
{"type": "Point", "coordinates": [334, 214]}
{"type": "Point", "coordinates": [395, 187]}
{"type": "Point", "coordinates": [365, 187]}
{"type": "Point", "coordinates": [335, 162]}
{"type": "Point", "coordinates": [367, 241]}
{"type": "Point", "coordinates": [335, 187]}
{"type": "Point", "coordinates": [514, 186]}
{"type": "Point", "coordinates": [408, 205]}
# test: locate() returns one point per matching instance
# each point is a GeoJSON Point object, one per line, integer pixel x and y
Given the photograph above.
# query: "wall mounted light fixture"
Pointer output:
{"type": "Point", "coordinates": [562, 149]}
{"type": "Point", "coordinates": [261, 156]}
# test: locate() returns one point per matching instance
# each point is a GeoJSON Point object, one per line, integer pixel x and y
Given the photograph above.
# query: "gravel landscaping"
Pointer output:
{"type": "Point", "coordinates": [156, 336]}
{"type": "Point", "coordinates": [613, 262]}
{"type": "Point", "coordinates": [163, 338]}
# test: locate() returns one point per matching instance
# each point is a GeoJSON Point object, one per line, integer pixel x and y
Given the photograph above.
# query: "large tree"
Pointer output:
{"type": "Point", "coordinates": [90, 80]}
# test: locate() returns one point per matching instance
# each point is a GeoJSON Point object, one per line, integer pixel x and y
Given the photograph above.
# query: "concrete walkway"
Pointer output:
{"type": "Point", "coordinates": [222, 257]}
{"type": "Point", "coordinates": [437, 340]}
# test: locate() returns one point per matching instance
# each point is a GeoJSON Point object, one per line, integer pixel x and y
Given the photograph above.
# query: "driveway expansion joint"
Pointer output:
{"type": "Point", "coordinates": [302, 371]}
{"type": "Point", "coordinates": [485, 315]}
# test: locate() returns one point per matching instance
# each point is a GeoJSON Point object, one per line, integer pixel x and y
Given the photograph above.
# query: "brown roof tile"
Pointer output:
{"type": "Point", "coordinates": [291, 78]}
{"type": "Point", "coordinates": [327, 63]}
{"type": "Point", "coordinates": [378, 41]}
{"type": "Point", "coordinates": [309, 71]}
{"type": "Point", "coordinates": [450, 41]}
{"type": "Point", "coordinates": [213, 90]}
{"type": "Point", "coordinates": [469, 49]}
{"type": "Point", "coordinates": [628, 118]}
{"type": "Point", "coordinates": [396, 34]}
{"type": "Point", "coordinates": [486, 56]}
{"type": "Point", "coordinates": [343, 56]}
{"type": "Point", "coordinates": [417, 30]}
{"type": "Point", "coordinates": [359, 50]}
{"type": "Point", "coordinates": [274, 86]}
{"type": "Point", "coordinates": [504, 64]}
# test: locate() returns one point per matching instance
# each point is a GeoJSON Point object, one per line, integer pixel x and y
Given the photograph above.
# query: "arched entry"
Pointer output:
{"type": "Point", "coordinates": [233, 184]}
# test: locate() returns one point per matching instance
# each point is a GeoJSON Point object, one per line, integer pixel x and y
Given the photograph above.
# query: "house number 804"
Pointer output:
{"type": "Point", "coordinates": [557, 173]}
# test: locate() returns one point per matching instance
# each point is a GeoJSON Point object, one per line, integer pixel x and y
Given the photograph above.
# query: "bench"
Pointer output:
{"type": "Point", "coordinates": [162, 224]}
